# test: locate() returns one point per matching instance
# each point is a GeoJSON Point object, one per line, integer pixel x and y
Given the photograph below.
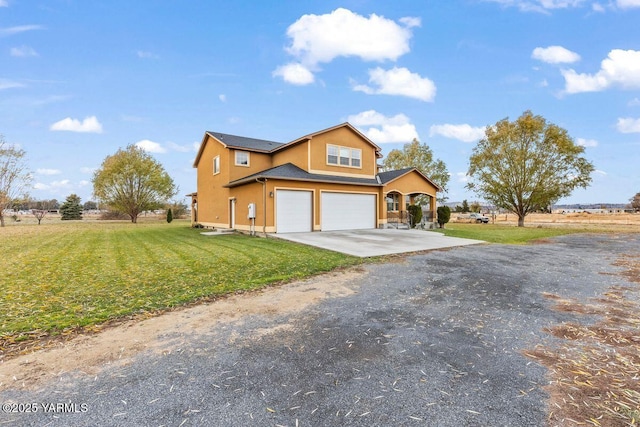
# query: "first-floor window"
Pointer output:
{"type": "Point", "coordinates": [393, 201]}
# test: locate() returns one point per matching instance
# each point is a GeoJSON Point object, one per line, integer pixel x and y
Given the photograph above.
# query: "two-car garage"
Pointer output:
{"type": "Point", "coordinates": [338, 211]}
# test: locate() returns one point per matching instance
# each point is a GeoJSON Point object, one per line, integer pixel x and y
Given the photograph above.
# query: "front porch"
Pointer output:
{"type": "Point", "coordinates": [398, 214]}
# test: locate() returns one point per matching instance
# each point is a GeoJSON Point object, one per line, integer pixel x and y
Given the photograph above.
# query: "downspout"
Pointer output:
{"type": "Point", "coordinates": [264, 204]}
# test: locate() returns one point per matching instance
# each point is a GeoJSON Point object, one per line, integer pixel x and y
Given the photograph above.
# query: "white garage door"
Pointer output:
{"type": "Point", "coordinates": [348, 211]}
{"type": "Point", "coordinates": [293, 211]}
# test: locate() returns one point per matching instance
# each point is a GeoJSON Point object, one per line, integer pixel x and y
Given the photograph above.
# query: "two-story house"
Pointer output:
{"type": "Point", "coordinates": [327, 180]}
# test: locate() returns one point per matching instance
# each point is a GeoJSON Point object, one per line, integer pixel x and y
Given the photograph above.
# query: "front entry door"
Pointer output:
{"type": "Point", "coordinates": [232, 213]}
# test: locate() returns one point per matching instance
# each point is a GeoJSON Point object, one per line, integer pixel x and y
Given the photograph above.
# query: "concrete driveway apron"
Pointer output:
{"type": "Point", "coordinates": [376, 242]}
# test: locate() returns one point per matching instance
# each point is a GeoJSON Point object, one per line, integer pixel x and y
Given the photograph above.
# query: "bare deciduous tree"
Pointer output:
{"type": "Point", "coordinates": [14, 176]}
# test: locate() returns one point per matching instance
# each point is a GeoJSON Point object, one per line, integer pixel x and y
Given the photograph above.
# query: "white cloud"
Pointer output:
{"type": "Point", "coordinates": [317, 39]}
{"type": "Point", "coordinates": [586, 142]}
{"type": "Point", "coordinates": [462, 132]}
{"type": "Point", "coordinates": [53, 185]}
{"type": "Point", "coordinates": [84, 183]}
{"type": "Point", "coordinates": [398, 81]}
{"type": "Point", "coordinates": [150, 146]}
{"type": "Point", "coordinates": [294, 73]}
{"type": "Point", "coordinates": [627, 4]}
{"type": "Point", "coordinates": [628, 125]}
{"type": "Point", "coordinates": [180, 148]}
{"type": "Point", "coordinates": [382, 129]}
{"type": "Point", "coordinates": [146, 55]}
{"type": "Point", "coordinates": [23, 52]}
{"type": "Point", "coordinates": [9, 31]}
{"type": "Point", "coordinates": [9, 84]}
{"type": "Point", "coordinates": [635, 102]}
{"type": "Point", "coordinates": [222, 97]}
{"type": "Point", "coordinates": [3, 3]}
{"type": "Point", "coordinates": [88, 125]}
{"type": "Point", "coordinates": [542, 6]}
{"type": "Point", "coordinates": [601, 172]}
{"type": "Point", "coordinates": [554, 55]}
{"type": "Point", "coordinates": [48, 171]}
{"type": "Point", "coordinates": [462, 177]}
{"type": "Point", "coordinates": [621, 68]}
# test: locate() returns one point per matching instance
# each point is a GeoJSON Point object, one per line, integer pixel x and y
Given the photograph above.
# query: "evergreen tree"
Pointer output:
{"type": "Point", "coordinates": [71, 209]}
{"type": "Point", "coordinates": [169, 215]}
{"type": "Point", "coordinates": [444, 214]}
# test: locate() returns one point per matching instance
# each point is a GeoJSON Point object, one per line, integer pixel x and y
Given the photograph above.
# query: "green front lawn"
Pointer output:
{"type": "Point", "coordinates": [61, 276]}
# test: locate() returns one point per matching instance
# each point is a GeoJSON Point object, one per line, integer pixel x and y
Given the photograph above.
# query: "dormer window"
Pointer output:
{"type": "Point", "coordinates": [344, 156]}
{"type": "Point", "coordinates": [242, 158]}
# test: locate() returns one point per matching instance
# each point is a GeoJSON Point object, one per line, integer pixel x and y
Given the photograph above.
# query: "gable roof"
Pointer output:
{"type": "Point", "coordinates": [391, 175]}
{"type": "Point", "coordinates": [292, 172]}
{"type": "Point", "coordinates": [269, 147]}
{"type": "Point", "coordinates": [236, 142]}
{"type": "Point", "coordinates": [345, 125]}
{"type": "Point", "coordinates": [387, 177]}
{"type": "Point", "coordinates": [251, 144]}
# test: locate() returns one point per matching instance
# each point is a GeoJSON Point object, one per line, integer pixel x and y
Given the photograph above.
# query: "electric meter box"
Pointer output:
{"type": "Point", "coordinates": [252, 211]}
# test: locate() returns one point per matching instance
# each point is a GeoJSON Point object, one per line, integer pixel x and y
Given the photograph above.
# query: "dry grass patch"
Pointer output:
{"type": "Point", "coordinates": [595, 376]}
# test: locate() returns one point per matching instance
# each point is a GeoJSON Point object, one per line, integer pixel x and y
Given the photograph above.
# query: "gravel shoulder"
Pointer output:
{"type": "Point", "coordinates": [436, 338]}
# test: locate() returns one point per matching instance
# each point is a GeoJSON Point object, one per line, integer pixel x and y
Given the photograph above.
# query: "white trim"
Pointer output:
{"type": "Point", "coordinates": [346, 174]}
{"type": "Point", "coordinates": [340, 148]}
{"type": "Point", "coordinates": [214, 164]}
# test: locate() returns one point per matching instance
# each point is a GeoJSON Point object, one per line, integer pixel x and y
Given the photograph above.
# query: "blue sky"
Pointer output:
{"type": "Point", "coordinates": [80, 79]}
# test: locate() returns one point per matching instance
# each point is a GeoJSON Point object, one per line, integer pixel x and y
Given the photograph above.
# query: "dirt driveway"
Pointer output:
{"type": "Point", "coordinates": [431, 339]}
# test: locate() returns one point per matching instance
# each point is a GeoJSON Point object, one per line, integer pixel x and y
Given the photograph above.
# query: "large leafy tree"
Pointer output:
{"type": "Point", "coordinates": [132, 181]}
{"type": "Point", "coordinates": [14, 176]}
{"type": "Point", "coordinates": [635, 202]}
{"type": "Point", "coordinates": [527, 165]}
{"type": "Point", "coordinates": [419, 156]}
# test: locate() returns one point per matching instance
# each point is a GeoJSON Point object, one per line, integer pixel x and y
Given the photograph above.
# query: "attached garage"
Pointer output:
{"type": "Point", "coordinates": [293, 211]}
{"type": "Point", "coordinates": [347, 211]}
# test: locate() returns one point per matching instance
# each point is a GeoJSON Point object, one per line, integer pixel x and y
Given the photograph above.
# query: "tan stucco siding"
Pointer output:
{"type": "Point", "coordinates": [297, 154]}
{"type": "Point", "coordinates": [257, 162]}
{"type": "Point", "coordinates": [210, 186]}
{"type": "Point", "coordinates": [317, 189]}
{"type": "Point", "coordinates": [343, 137]}
{"type": "Point", "coordinates": [411, 183]}
{"type": "Point", "coordinates": [244, 195]}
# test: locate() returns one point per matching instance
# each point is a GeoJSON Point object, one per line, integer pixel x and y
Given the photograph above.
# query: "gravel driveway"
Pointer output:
{"type": "Point", "coordinates": [430, 339]}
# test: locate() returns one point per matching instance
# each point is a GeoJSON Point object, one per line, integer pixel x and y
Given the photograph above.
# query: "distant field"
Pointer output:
{"type": "Point", "coordinates": [63, 275]}
{"type": "Point", "coordinates": [540, 226]}
{"type": "Point", "coordinates": [572, 219]}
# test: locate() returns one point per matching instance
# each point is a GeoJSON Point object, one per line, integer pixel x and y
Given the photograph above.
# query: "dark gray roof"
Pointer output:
{"type": "Point", "coordinates": [292, 172]}
{"type": "Point", "coordinates": [391, 175]}
{"type": "Point", "coordinates": [251, 144]}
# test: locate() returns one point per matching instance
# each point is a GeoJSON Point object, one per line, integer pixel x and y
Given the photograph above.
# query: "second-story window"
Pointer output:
{"type": "Point", "coordinates": [216, 165]}
{"type": "Point", "coordinates": [344, 156]}
{"type": "Point", "coordinates": [242, 158]}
